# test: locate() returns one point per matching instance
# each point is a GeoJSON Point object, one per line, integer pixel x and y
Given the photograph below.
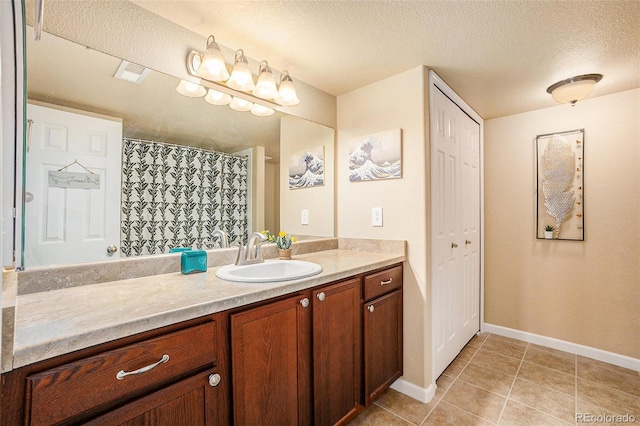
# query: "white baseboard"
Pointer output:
{"type": "Point", "coordinates": [562, 345]}
{"type": "Point", "coordinates": [414, 391]}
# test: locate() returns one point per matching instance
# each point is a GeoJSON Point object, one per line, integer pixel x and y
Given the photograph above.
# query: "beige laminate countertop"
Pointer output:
{"type": "Point", "coordinates": [52, 323]}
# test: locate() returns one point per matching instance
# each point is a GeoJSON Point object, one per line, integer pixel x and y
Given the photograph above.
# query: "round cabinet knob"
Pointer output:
{"type": "Point", "coordinates": [321, 296]}
{"type": "Point", "coordinates": [304, 302]}
{"type": "Point", "coordinates": [214, 380]}
{"type": "Point", "coordinates": [111, 250]}
{"type": "Point", "coordinates": [371, 308]}
{"type": "Point", "coordinates": [454, 245]}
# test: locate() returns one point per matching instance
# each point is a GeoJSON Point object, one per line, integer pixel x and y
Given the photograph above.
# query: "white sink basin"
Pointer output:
{"type": "Point", "coordinates": [269, 271]}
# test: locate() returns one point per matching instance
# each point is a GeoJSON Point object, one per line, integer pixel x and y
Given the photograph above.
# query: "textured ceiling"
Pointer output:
{"type": "Point", "coordinates": [500, 56]}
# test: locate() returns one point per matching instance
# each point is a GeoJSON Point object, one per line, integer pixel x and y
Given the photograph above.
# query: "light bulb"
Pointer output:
{"type": "Point", "coordinates": [212, 66]}
{"type": "Point", "coordinates": [241, 77]}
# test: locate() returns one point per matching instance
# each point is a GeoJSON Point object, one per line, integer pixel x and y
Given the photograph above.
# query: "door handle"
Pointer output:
{"type": "Point", "coordinates": [111, 249]}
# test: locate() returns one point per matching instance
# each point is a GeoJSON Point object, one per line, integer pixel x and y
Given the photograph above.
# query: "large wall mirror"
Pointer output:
{"type": "Point", "coordinates": [77, 192]}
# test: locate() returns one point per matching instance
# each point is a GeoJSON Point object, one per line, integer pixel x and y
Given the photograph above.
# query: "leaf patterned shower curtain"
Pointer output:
{"type": "Point", "coordinates": [176, 196]}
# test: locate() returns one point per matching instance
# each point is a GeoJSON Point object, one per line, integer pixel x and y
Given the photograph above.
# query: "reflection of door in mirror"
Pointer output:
{"type": "Point", "coordinates": [70, 216]}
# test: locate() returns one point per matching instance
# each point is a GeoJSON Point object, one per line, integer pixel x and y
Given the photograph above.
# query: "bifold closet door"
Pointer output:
{"type": "Point", "coordinates": [455, 216]}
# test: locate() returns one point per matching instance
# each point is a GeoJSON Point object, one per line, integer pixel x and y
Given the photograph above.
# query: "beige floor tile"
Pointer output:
{"type": "Point", "coordinates": [496, 361]}
{"type": "Point", "coordinates": [609, 375]}
{"type": "Point", "coordinates": [443, 384]}
{"type": "Point", "coordinates": [544, 399]}
{"type": "Point", "coordinates": [447, 415]}
{"type": "Point", "coordinates": [608, 398]}
{"type": "Point", "coordinates": [475, 400]}
{"type": "Point", "coordinates": [376, 416]}
{"type": "Point", "coordinates": [505, 346]}
{"type": "Point", "coordinates": [487, 379]}
{"type": "Point", "coordinates": [456, 366]}
{"type": "Point", "coordinates": [406, 407]}
{"type": "Point", "coordinates": [516, 414]}
{"type": "Point", "coordinates": [467, 353]}
{"type": "Point", "coordinates": [591, 413]}
{"type": "Point", "coordinates": [478, 340]}
{"type": "Point", "coordinates": [548, 377]}
{"type": "Point", "coordinates": [551, 358]}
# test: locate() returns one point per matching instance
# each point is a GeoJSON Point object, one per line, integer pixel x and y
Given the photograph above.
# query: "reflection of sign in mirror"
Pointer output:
{"type": "Point", "coordinates": [376, 156]}
{"type": "Point", "coordinates": [306, 168]}
{"type": "Point", "coordinates": [73, 180]}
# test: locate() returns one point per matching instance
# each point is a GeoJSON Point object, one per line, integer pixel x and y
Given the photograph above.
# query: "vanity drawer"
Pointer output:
{"type": "Point", "coordinates": [382, 282]}
{"type": "Point", "coordinates": [70, 389]}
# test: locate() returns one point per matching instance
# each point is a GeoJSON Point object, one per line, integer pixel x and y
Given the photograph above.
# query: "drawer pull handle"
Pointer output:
{"type": "Point", "coordinates": [122, 374]}
{"type": "Point", "coordinates": [387, 282]}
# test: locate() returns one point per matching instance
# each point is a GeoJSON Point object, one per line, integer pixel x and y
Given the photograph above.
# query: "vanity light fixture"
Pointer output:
{"type": "Point", "coordinates": [287, 95]}
{"type": "Point", "coordinates": [217, 98]}
{"type": "Point", "coordinates": [211, 65]}
{"type": "Point", "coordinates": [192, 90]}
{"type": "Point", "coordinates": [266, 85]}
{"type": "Point", "coordinates": [574, 89]}
{"type": "Point", "coordinates": [241, 78]}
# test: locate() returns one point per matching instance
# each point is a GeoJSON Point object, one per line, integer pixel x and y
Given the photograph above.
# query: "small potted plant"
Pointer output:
{"type": "Point", "coordinates": [548, 232]}
{"type": "Point", "coordinates": [283, 241]}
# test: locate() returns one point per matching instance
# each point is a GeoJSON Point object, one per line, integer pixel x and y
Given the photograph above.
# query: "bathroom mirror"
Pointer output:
{"type": "Point", "coordinates": [64, 75]}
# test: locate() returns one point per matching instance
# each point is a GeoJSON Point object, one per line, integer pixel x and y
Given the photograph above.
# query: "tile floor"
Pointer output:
{"type": "Point", "coordinates": [497, 380]}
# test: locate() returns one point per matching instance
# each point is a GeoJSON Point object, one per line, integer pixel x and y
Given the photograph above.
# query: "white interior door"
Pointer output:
{"type": "Point", "coordinates": [68, 225]}
{"type": "Point", "coordinates": [455, 216]}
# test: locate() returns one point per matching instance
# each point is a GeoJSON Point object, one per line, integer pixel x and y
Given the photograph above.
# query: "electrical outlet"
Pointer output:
{"type": "Point", "coordinates": [376, 216]}
{"type": "Point", "coordinates": [304, 217]}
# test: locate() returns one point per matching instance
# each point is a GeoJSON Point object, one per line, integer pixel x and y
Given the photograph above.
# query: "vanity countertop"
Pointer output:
{"type": "Point", "coordinates": [52, 323]}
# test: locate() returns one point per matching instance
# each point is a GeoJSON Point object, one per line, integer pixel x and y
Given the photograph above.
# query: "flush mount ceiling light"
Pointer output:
{"type": "Point", "coordinates": [574, 89]}
{"type": "Point", "coordinates": [210, 66]}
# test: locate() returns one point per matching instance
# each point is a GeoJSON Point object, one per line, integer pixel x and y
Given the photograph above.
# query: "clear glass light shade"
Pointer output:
{"type": "Point", "coordinates": [190, 89]}
{"type": "Point", "coordinates": [287, 95]}
{"type": "Point", "coordinates": [239, 104]}
{"type": "Point", "coordinates": [241, 77]}
{"type": "Point", "coordinates": [212, 66]}
{"type": "Point", "coordinates": [266, 85]}
{"type": "Point", "coordinates": [261, 110]}
{"type": "Point", "coordinates": [217, 98]}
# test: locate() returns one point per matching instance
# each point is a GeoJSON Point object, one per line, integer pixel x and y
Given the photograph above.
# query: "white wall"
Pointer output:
{"type": "Point", "coordinates": [581, 292]}
{"type": "Point", "coordinates": [396, 102]}
{"type": "Point", "coordinates": [297, 135]}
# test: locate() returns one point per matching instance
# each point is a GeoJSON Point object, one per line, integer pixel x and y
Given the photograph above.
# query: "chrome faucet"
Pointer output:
{"type": "Point", "coordinates": [251, 252]}
{"type": "Point", "coordinates": [224, 237]}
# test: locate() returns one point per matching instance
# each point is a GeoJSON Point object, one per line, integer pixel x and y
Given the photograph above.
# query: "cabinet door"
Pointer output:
{"type": "Point", "coordinates": [336, 352]}
{"type": "Point", "coordinates": [192, 401]}
{"type": "Point", "coordinates": [382, 344]}
{"type": "Point", "coordinates": [271, 359]}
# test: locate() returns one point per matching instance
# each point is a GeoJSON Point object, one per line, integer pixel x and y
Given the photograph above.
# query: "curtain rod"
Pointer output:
{"type": "Point", "coordinates": [185, 146]}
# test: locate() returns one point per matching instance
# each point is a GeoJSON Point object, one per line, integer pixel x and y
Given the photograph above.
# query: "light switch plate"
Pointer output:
{"type": "Point", "coordinates": [304, 217]}
{"type": "Point", "coordinates": [376, 216]}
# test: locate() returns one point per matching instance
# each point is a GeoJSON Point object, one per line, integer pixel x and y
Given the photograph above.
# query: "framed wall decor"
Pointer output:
{"type": "Point", "coordinates": [560, 185]}
{"type": "Point", "coordinates": [376, 156]}
{"type": "Point", "coordinates": [306, 168]}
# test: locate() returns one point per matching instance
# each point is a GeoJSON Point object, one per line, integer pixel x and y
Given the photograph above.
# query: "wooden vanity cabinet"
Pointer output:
{"type": "Point", "coordinates": [382, 337]}
{"type": "Point", "coordinates": [176, 373]}
{"type": "Point", "coordinates": [297, 361]}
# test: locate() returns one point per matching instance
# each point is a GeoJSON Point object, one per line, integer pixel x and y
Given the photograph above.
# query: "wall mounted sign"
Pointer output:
{"type": "Point", "coordinates": [376, 156]}
{"type": "Point", "coordinates": [77, 180]}
{"type": "Point", "coordinates": [306, 168]}
{"type": "Point", "coordinates": [560, 185]}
